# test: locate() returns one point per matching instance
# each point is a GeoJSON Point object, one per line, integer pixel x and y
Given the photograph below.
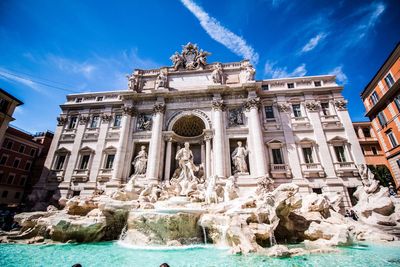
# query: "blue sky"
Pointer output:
{"type": "Point", "coordinates": [91, 45]}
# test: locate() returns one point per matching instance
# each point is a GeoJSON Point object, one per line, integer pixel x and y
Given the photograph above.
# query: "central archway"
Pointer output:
{"type": "Point", "coordinates": [189, 126]}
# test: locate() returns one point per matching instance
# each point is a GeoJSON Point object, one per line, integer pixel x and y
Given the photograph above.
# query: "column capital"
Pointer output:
{"type": "Point", "coordinates": [312, 105]}
{"type": "Point", "coordinates": [131, 111]}
{"type": "Point", "coordinates": [159, 108]}
{"type": "Point", "coordinates": [83, 119]}
{"type": "Point", "coordinates": [253, 102]}
{"type": "Point", "coordinates": [341, 104]}
{"type": "Point", "coordinates": [218, 104]}
{"type": "Point", "coordinates": [62, 120]}
{"type": "Point", "coordinates": [106, 117]}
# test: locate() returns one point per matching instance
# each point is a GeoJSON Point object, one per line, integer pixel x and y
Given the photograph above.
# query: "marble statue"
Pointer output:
{"type": "Point", "coordinates": [161, 80]}
{"type": "Point", "coordinates": [144, 123]}
{"type": "Point", "coordinates": [201, 58]}
{"type": "Point", "coordinates": [368, 178]}
{"type": "Point", "coordinates": [187, 177]}
{"type": "Point", "coordinates": [235, 117]}
{"type": "Point", "coordinates": [177, 60]}
{"type": "Point", "coordinates": [250, 72]}
{"type": "Point", "coordinates": [217, 74]}
{"type": "Point", "coordinates": [231, 190]}
{"type": "Point", "coordinates": [239, 159]}
{"type": "Point", "coordinates": [211, 193]}
{"type": "Point", "coordinates": [140, 162]}
{"type": "Point", "coordinates": [131, 82]}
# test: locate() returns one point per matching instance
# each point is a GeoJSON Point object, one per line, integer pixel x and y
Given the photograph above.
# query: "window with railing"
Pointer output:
{"type": "Point", "coordinates": [277, 156]}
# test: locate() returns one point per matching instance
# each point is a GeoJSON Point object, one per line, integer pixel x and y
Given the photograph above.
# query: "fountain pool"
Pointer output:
{"type": "Point", "coordinates": [113, 254]}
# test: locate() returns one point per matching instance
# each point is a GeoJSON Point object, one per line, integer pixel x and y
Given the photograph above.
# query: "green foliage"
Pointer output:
{"type": "Point", "coordinates": [382, 174]}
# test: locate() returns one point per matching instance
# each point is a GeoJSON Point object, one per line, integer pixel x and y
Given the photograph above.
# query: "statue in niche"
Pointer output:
{"type": "Point", "coordinates": [144, 123]}
{"type": "Point", "coordinates": [217, 75]}
{"type": "Point", "coordinates": [239, 159]}
{"type": "Point", "coordinates": [235, 117]}
{"type": "Point", "coordinates": [140, 162]}
{"type": "Point", "coordinates": [132, 81]}
{"type": "Point", "coordinates": [161, 80]}
{"type": "Point", "coordinates": [187, 168]}
{"type": "Point", "coordinates": [248, 72]}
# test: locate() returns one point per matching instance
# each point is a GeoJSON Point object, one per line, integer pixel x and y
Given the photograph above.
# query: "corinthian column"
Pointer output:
{"type": "Point", "coordinates": [256, 137]}
{"type": "Point", "coordinates": [119, 161]}
{"type": "Point", "coordinates": [153, 164]}
{"type": "Point", "coordinates": [218, 140]}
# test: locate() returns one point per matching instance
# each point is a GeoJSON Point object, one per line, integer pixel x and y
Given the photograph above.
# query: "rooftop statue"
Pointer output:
{"type": "Point", "coordinates": [190, 58]}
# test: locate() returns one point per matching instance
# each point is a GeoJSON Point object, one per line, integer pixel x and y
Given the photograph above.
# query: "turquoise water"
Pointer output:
{"type": "Point", "coordinates": [112, 254]}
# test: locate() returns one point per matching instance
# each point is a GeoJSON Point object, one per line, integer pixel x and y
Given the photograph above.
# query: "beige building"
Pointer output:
{"type": "Point", "coordinates": [8, 103]}
{"type": "Point", "coordinates": [292, 130]}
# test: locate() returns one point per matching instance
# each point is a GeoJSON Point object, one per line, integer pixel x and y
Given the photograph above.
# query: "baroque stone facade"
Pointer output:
{"type": "Point", "coordinates": [290, 130]}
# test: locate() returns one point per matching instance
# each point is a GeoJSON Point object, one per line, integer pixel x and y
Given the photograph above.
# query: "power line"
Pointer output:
{"type": "Point", "coordinates": [35, 81]}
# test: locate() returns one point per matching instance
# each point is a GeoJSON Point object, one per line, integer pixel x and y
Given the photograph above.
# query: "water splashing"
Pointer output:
{"type": "Point", "coordinates": [272, 240]}
{"type": "Point", "coordinates": [123, 234]}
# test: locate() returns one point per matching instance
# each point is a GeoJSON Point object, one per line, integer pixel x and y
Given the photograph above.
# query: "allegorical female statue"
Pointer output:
{"type": "Point", "coordinates": [239, 159]}
{"type": "Point", "coordinates": [140, 161]}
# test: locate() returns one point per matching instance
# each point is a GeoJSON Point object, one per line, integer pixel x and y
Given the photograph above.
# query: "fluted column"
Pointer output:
{"type": "Point", "coordinates": [218, 141]}
{"type": "Point", "coordinates": [128, 111]}
{"type": "Point", "coordinates": [207, 139]}
{"type": "Point", "coordinates": [154, 158]}
{"type": "Point", "coordinates": [256, 136]}
{"type": "Point", "coordinates": [167, 170]}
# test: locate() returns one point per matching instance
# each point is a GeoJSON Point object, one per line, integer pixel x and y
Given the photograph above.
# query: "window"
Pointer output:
{"type": "Point", "coordinates": [398, 163]}
{"type": "Point", "coordinates": [21, 149]}
{"type": "Point", "coordinates": [290, 85]}
{"type": "Point", "coordinates": [99, 98]}
{"type": "Point", "coordinates": [265, 87]}
{"type": "Point", "coordinates": [374, 98]}
{"type": "Point", "coordinates": [78, 100]}
{"type": "Point", "coordinates": [16, 163]}
{"type": "Point", "coordinates": [397, 102]}
{"type": "Point", "coordinates": [277, 156]}
{"type": "Point", "coordinates": [109, 161]}
{"type": "Point", "coordinates": [296, 110]}
{"type": "Point", "coordinates": [3, 105]}
{"type": "Point", "coordinates": [307, 153]}
{"type": "Point", "coordinates": [9, 144]}
{"type": "Point", "coordinates": [33, 151]}
{"type": "Point", "coordinates": [17, 195]}
{"type": "Point", "coordinates": [84, 162]}
{"type": "Point", "coordinates": [392, 138]}
{"type": "Point", "coordinates": [389, 80]}
{"type": "Point", "coordinates": [60, 162]}
{"type": "Point", "coordinates": [317, 83]}
{"type": "Point", "coordinates": [95, 121]}
{"type": "Point", "coordinates": [366, 132]}
{"type": "Point", "coordinates": [3, 160]}
{"type": "Point", "coordinates": [382, 119]}
{"type": "Point", "coordinates": [4, 194]}
{"type": "Point", "coordinates": [374, 150]}
{"type": "Point", "coordinates": [340, 155]}
{"type": "Point", "coordinates": [117, 120]}
{"type": "Point", "coordinates": [10, 178]}
{"type": "Point", "coordinates": [325, 108]}
{"type": "Point", "coordinates": [363, 150]}
{"type": "Point", "coordinates": [317, 191]}
{"type": "Point", "coordinates": [28, 165]}
{"type": "Point", "coordinates": [269, 112]}
{"type": "Point", "coordinates": [22, 181]}
{"type": "Point", "coordinates": [72, 122]}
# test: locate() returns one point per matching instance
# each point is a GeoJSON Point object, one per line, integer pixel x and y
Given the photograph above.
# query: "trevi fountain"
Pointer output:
{"type": "Point", "coordinates": [215, 182]}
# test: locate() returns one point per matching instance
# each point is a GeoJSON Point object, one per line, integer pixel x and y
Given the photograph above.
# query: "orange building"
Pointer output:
{"type": "Point", "coordinates": [381, 99]}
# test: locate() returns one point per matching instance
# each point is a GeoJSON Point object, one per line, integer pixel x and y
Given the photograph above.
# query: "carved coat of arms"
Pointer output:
{"type": "Point", "coordinates": [191, 58]}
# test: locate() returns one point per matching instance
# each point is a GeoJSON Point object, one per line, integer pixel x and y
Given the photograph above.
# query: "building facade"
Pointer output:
{"type": "Point", "coordinates": [21, 163]}
{"type": "Point", "coordinates": [381, 99]}
{"type": "Point", "coordinates": [8, 103]}
{"type": "Point", "coordinates": [291, 130]}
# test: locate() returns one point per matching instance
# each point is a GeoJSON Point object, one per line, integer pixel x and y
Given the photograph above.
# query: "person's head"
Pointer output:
{"type": "Point", "coordinates": [187, 145]}
{"type": "Point", "coordinates": [239, 143]}
{"type": "Point", "coordinates": [143, 147]}
{"type": "Point", "coordinates": [164, 265]}
{"type": "Point", "coordinates": [77, 265]}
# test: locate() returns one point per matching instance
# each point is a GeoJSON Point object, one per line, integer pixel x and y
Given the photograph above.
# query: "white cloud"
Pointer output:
{"type": "Point", "coordinates": [12, 77]}
{"type": "Point", "coordinates": [341, 77]}
{"type": "Point", "coordinates": [368, 16]}
{"type": "Point", "coordinates": [313, 42]}
{"type": "Point", "coordinates": [219, 33]}
{"type": "Point", "coordinates": [276, 72]}
{"type": "Point", "coordinates": [68, 65]}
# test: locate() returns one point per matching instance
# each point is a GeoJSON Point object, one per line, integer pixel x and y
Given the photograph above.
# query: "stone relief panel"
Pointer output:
{"type": "Point", "coordinates": [235, 117]}
{"type": "Point", "coordinates": [144, 122]}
